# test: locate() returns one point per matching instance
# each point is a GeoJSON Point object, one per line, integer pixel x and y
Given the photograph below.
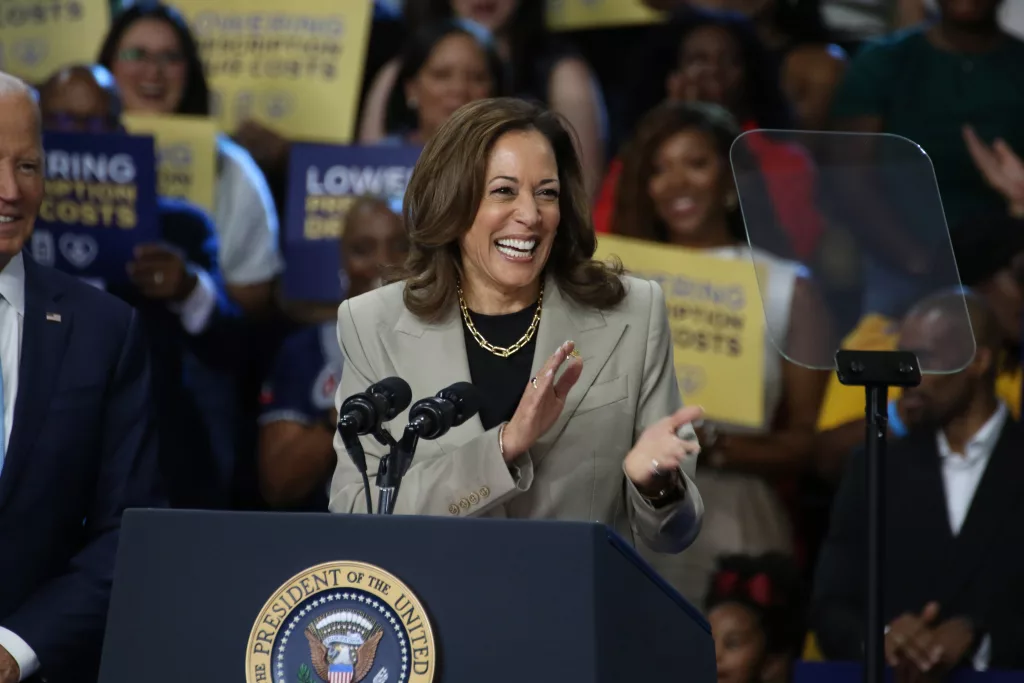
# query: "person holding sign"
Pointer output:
{"type": "Point", "coordinates": [154, 57]}
{"type": "Point", "coordinates": [677, 188]}
{"type": "Point", "coordinates": [296, 455]}
{"type": "Point", "coordinates": [572, 359]}
{"type": "Point", "coordinates": [77, 443]}
{"type": "Point", "coordinates": [538, 69]}
{"type": "Point", "coordinates": [177, 288]}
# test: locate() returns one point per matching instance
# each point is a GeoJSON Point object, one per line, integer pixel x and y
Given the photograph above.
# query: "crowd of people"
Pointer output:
{"type": "Point", "coordinates": [244, 382]}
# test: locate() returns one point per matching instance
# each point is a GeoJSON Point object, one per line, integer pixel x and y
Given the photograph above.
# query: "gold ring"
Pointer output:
{"type": "Point", "coordinates": [534, 383]}
{"type": "Point", "coordinates": [574, 354]}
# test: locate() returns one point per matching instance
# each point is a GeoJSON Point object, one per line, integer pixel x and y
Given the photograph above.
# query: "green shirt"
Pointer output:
{"type": "Point", "coordinates": [927, 95]}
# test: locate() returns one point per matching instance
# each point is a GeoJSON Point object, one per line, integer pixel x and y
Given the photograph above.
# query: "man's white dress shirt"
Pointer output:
{"type": "Point", "coordinates": [961, 474]}
{"type": "Point", "coordinates": [12, 325]}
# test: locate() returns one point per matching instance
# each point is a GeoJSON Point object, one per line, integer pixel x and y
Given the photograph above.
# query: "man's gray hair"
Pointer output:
{"type": "Point", "coordinates": [14, 86]}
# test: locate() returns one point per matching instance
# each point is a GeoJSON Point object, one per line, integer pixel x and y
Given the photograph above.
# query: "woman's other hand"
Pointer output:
{"type": "Point", "coordinates": [659, 451]}
{"type": "Point", "coordinates": [542, 402]}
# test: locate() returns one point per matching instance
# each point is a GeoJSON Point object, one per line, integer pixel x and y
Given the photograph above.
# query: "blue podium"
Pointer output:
{"type": "Point", "coordinates": [303, 598]}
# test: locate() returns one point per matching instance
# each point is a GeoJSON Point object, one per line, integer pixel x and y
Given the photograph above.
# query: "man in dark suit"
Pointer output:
{"type": "Point", "coordinates": [954, 567]}
{"type": "Point", "coordinates": [77, 445]}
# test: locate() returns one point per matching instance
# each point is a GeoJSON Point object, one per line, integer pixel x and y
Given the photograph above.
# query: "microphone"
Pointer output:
{"type": "Point", "coordinates": [429, 418]}
{"type": "Point", "coordinates": [363, 413]}
{"type": "Point", "coordinates": [433, 417]}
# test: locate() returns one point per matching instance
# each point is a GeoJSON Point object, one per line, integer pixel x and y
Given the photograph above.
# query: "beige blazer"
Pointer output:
{"type": "Point", "coordinates": [574, 472]}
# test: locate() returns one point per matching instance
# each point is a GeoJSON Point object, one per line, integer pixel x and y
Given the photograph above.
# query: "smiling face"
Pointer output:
{"type": "Point", "coordinates": [510, 239]}
{"type": "Point", "coordinates": [21, 172]}
{"type": "Point", "coordinates": [689, 184]}
{"type": "Point", "coordinates": [492, 14]}
{"type": "Point", "coordinates": [150, 68]}
{"type": "Point", "coordinates": [455, 74]}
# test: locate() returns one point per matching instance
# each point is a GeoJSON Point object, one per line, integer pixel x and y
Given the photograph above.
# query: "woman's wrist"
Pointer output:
{"type": "Point", "coordinates": [507, 444]}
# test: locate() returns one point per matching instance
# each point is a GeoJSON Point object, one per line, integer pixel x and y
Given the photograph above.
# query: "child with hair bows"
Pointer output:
{"type": "Point", "coordinates": [756, 608]}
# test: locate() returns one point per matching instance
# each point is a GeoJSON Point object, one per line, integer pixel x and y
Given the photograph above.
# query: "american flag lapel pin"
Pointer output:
{"type": "Point", "coordinates": [53, 317]}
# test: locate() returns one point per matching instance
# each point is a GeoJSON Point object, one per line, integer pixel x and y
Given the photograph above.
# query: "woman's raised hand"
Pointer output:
{"type": "Point", "coordinates": [542, 402]}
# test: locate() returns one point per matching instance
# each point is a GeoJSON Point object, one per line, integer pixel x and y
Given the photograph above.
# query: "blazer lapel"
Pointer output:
{"type": "Point", "coordinates": [919, 523]}
{"type": "Point", "coordinates": [595, 337]}
{"type": "Point", "coordinates": [432, 356]}
{"type": "Point", "coordinates": [44, 340]}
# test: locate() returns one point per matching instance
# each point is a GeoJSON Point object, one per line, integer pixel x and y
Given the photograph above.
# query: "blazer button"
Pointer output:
{"type": "Point", "coordinates": [454, 509]}
{"type": "Point", "coordinates": [473, 499]}
{"type": "Point", "coordinates": [484, 492]}
{"type": "Point", "coordinates": [464, 504]}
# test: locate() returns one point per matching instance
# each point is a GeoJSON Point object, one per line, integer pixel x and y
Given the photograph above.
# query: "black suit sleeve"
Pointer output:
{"type": "Point", "coordinates": [1005, 625]}
{"type": "Point", "coordinates": [837, 613]}
{"type": "Point", "coordinates": [190, 229]}
{"type": "Point", "coordinates": [64, 620]}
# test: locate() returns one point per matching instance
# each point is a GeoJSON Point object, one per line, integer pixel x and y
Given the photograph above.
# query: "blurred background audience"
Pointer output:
{"type": "Point", "coordinates": [673, 118]}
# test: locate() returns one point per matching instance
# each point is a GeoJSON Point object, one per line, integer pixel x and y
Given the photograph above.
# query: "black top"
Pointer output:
{"type": "Point", "coordinates": [501, 380]}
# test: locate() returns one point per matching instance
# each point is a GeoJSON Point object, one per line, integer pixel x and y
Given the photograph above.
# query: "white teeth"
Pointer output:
{"type": "Point", "coordinates": [513, 253]}
{"type": "Point", "coordinates": [7, 219]}
{"type": "Point", "coordinates": [520, 245]}
{"type": "Point", "coordinates": [683, 204]}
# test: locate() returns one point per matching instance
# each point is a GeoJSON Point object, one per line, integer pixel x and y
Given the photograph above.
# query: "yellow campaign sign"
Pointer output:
{"type": "Point", "coordinates": [717, 322]}
{"type": "Point", "coordinates": [37, 37]}
{"type": "Point", "coordinates": [575, 15]}
{"type": "Point", "coordinates": [186, 153]}
{"type": "Point", "coordinates": [295, 67]}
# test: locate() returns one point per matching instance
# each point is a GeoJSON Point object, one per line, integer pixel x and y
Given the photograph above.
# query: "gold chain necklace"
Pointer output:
{"type": "Point", "coordinates": [501, 351]}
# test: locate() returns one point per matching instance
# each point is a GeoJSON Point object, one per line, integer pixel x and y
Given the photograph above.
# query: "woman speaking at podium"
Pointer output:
{"type": "Point", "coordinates": [581, 417]}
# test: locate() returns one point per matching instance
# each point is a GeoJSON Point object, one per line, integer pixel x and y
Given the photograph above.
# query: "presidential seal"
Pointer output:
{"type": "Point", "coordinates": [341, 622]}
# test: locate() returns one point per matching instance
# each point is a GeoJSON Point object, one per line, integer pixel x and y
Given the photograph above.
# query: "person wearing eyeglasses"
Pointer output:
{"type": "Point", "coordinates": [296, 452]}
{"type": "Point", "coordinates": [154, 58]}
{"type": "Point", "coordinates": [178, 290]}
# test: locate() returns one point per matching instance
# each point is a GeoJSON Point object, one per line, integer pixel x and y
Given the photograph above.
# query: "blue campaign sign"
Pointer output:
{"type": "Point", "coordinates": [323, 181]}
{"type": "Point", "coordinates": [100, 202]}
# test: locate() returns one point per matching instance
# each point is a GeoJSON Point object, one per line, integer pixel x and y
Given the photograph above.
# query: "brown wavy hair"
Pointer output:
{"type": "Point", "coordinates": [634, 214]}
{"type": "Point", "coordinates": [444, 194]}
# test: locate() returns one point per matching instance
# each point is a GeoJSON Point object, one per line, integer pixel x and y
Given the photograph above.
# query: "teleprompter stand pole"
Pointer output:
{"type": "Point", "coordinates": [876, 371]}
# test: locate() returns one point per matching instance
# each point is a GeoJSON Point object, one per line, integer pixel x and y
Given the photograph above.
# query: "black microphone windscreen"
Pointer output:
{"type": "Point", "coordinates": [466, 399]}
{"type": "Point", "coordinates": [398, 393]}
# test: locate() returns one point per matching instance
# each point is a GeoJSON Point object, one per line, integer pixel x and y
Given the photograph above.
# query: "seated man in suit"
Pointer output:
{"type": "Point", "coordinates": [954, 569]}
{"type": "Point", "coordinates": [77, 444]}
{"type": "Point", "coordinates": [177, 288]}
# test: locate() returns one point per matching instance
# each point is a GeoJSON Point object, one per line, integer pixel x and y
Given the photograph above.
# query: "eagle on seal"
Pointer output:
{"type": "Point", "coordinates": [323, 656]}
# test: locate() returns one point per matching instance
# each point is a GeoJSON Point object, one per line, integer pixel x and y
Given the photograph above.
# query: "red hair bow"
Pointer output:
{"type": "Point", "coordinates": [757, 588]}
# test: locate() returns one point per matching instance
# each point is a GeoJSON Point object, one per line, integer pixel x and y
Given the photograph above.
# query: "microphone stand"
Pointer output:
{"type": "Point", "coordinates": [403, 458]}
{"type": "Point", "coordinates": [347, 429]}
{"type": "Point", "coordinates": [876, 371]}
{"type": "Point", "coordinates": [387, 484]}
